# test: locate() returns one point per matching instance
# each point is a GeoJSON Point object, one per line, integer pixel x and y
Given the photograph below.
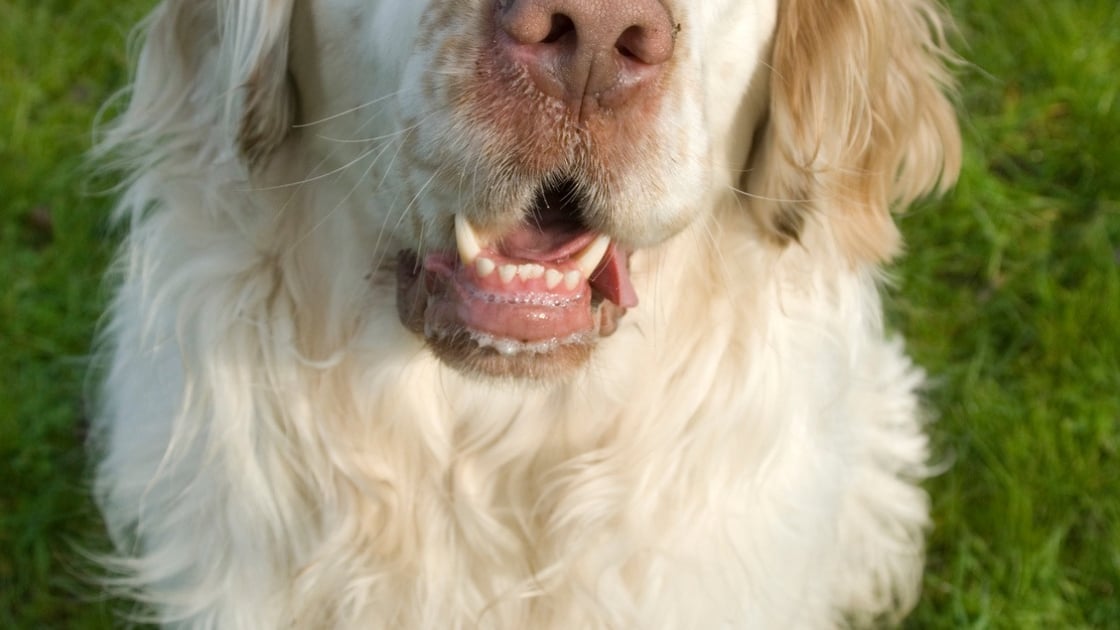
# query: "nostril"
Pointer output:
{"type": "Point", "coordinates": [645, 45]}
{"type": "Point", "coordinates": [561, 25]}
{"type": "Point", "coordinates": [625, 43]}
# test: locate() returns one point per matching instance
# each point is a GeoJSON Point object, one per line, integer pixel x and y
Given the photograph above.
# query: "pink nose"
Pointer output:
{"type": "Point", "coordinates": [598, 51]}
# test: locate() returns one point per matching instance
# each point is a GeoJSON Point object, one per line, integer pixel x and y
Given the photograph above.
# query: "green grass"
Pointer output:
{"type": "Point", "coordinates": [58, 62]}
{"type": "Point", "coordinates": [1009, 295]}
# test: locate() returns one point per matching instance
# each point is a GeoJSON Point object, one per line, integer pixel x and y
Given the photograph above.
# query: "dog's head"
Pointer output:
{"type": "Point", "coordinates": [517, 153]}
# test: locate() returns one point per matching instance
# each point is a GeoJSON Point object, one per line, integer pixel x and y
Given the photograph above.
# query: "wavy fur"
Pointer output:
{"type": "Point", "coordinates": [276, 450]}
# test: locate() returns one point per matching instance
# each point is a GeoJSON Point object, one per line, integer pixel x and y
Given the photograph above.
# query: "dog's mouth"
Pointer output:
{"type": "Point", "coordinates": [530, 302]}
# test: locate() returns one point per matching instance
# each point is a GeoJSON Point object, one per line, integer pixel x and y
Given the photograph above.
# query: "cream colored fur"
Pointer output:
{"type": "Point", "coordinates": [277, 451]}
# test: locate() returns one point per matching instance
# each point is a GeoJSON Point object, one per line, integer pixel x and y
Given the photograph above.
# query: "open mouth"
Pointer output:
{"type": "Point", "coordinates": [545, 289]}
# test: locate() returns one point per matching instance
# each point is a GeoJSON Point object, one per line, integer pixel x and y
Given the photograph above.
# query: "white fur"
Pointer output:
{"type": "Point", "coordinates": [278, 451]}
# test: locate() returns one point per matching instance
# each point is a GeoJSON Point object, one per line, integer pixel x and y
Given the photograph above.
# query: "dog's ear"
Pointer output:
{"type": "Point", "coordinates": [255, 43]}
{"type": "Point", "coordinates": [212, 81]}
{"type": "Point", "coordinates": [859, 122]}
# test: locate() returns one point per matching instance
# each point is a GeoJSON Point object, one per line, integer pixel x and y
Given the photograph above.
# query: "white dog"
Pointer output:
{"type": "Point", "coordinates": [520, 314]}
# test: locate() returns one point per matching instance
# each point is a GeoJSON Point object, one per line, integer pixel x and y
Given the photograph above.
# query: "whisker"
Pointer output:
{"type": "Point", "coordinates": [378, 254]}
{"type": "Point", "coordinates": [363, 155]}
{"type": "Point", "coordinates": [751, 195]}
{"type": "Point", "coordinates": [314, 178]}
{"type": "Point", "coordinates": [346, 112]}
{"type": "Point", "coordinates": [330, 213]}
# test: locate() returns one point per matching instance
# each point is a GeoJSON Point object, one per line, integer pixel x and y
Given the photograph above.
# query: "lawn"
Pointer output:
{"type": "Point", "coordinates": [1009, 295]}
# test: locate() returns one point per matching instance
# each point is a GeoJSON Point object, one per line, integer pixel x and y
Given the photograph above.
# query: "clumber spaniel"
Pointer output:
{"type": "Point", "coordinates": [519, 314]}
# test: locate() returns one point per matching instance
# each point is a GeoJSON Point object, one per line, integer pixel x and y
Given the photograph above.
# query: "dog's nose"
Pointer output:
{"type": "Point", "coordinates": [576, 50]}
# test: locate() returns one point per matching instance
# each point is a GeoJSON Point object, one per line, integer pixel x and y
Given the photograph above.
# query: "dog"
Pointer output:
{"type": "Point", "coordinates": [519, 313]}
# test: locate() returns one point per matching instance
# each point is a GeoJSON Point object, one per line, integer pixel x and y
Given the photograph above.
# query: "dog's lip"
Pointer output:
{"type": "Point", "coordinates": [517, 294]}
{"type": "Point", "coordinates": [534, 304]}
{"type": "Point", "coordinates": [520, 310]}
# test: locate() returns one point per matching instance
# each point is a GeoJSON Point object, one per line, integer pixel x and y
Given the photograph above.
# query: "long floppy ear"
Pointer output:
{"type": "Point", "coordinates": [212, 81]}
{"type": "Point", "coordinates": [255, 38]}
{"type": "Point", "coordinates": [859, 121]}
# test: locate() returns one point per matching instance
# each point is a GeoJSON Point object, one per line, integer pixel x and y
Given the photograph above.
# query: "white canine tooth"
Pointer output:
{"type": "Point", "coordinates": [466, 239]}
{"type": "Point", "coordinates": [592, 255]}
{"type": "Point", "coordinates": [524, 272]}
{"type": "Point", "coordinates": [535, 271]}
{"type": "Point", "coordinates": [552, 278]}
{"type": "Point", "coordinates": [571, 279]}
{"type": "Point", "coordinates": [507, 272]}
{"type": "Point", "coordinates": [485, 266]}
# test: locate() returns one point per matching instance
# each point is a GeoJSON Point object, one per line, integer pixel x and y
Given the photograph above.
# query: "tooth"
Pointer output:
{"type": "Point", "coordinates": [552, 278]}
{"type": "Point", "coordinates": [485, 266]}
{"type": "Point", "coordinates": [524, 272]}
{"type": "Point", "coordinates": [571, 279]}
{"type": "Point", "coordinates": [592, 255]}
{"type": "Point", "coordinates": [507, 272]}
{"type": "Point", "coordinates": [466, 239]}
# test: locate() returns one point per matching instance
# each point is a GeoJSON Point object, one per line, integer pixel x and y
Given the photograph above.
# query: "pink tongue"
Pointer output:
{"type": "Point", "coordinates": [612, 278]}
{"type": "Point", "coordinates": [544, 243]}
